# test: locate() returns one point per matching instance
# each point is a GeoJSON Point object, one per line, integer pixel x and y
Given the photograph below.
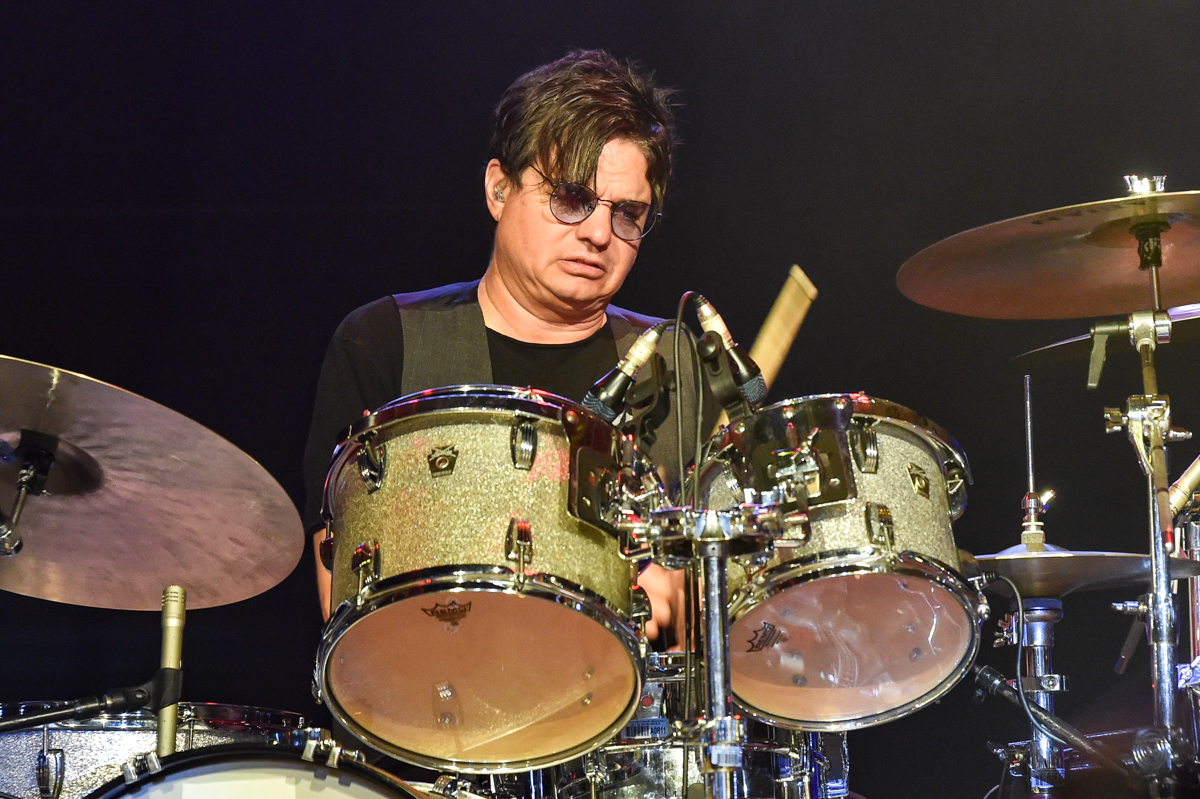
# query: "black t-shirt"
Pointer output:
{"type": "Point", "coordinates": [365, 360]}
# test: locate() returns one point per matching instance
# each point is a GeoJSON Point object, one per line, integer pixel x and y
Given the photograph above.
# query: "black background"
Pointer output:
{"type": "Point", "coordinates": [194, 194]}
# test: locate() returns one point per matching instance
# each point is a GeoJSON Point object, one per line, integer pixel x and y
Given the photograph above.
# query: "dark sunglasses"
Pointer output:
{"type": "Point", "coordinates": [571, 203]}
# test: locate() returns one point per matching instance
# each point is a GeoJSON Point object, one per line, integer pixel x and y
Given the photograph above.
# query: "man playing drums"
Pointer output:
{"type": "Point", "coordinates": [580, 160]}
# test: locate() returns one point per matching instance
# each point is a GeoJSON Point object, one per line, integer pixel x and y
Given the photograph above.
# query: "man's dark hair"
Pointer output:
{"type": "Point", "coordinates": [559, 116]}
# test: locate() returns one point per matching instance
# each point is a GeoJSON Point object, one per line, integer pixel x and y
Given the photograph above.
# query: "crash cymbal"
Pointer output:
{"type": "Point", "coordinates": [1185, 326]}
{"type": "Point", "coordinates": [138, 497]}
{"type": "Point", "coordinates": [1058, 573]}
{"type": "Point", "coordinates": [1074, 262]}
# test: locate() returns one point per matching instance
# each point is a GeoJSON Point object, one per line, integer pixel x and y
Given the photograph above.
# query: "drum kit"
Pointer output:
{"type": "Point", "coordinates": [485, 544]}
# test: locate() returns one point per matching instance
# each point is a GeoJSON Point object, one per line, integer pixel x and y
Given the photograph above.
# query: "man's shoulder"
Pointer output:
{"type": "Point", "coordinates": [449, 296]}
{"type": "Point", "coordinates": [368, 318]}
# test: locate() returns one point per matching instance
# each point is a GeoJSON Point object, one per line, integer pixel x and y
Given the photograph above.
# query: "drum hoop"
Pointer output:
{"type": "Point", "coordinates": [469, 579]}
{"type": "Point", "coordinates": [226, 753]}
{"type": "Point", "coordinates": [583, 426]}
{"type": "Point", "coordinates": [870, 561]}
{"type": "Point", "coordinates": [483, 397]}
{"type": "Point", "coordinates": [888, 411]}
{"type": "Point", "coordinates": [221, 715]}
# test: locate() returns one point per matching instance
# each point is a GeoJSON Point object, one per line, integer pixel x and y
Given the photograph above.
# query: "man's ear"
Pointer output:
{"type": "Point", "coordinates": [495, 184]}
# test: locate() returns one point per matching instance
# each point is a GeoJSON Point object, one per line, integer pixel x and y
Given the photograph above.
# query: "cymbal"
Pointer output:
{"type": "Point", "coordinates": [139, 497]}
{"type": "Point", "coordinates": [1185, 326]}
{"type": "Point", "coordinates": [1058, 573]}
{"type": "Point", "coordinates": [1073, 262]}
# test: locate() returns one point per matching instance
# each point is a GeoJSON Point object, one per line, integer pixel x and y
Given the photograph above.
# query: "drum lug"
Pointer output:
{"type": "Point", "coordinates": [640, 611]}
{"type": "Point", "coordinates": [523, 443]}
{"type": "Point", "coordinates": [139, 766]}
{"type": "Point", "coordinates": [371, 463]}
{"type": "Point", "coordinates": [447, 785]}
{"type": "Point", "coordinates": [864, 443]}
{"type": "Point", "coordinates": [367, 564]}
{"type": "Point", "coordinates": [881, 530]}
{"type": "Point", "coordinates": [50, 770]}
{"type": "Point", "coordinates": [518, 547]}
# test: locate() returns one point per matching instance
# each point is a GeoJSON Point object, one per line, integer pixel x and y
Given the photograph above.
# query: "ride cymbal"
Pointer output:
{"type": "Point", "coordinates": [136, 497]}
{"type": "Point", "coordinates": [1074, 262]}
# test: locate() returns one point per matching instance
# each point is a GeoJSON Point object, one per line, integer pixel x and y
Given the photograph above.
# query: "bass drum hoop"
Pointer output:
{"type": "Point", "coordinates": [468, 579]}
{"type": "Point", "coordinates": [837, 563]}
{"type": "Point", "coordinates": [233, 753]}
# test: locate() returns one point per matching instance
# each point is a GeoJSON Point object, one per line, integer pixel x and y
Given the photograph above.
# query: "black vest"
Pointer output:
{"type": "Point", "coordinates": [445, 344]}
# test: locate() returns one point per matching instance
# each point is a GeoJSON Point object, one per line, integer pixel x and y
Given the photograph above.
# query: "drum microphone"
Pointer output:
{"type": "Point", "coordinates": [174, 612]}
{"type": "Point", "coordinates": [746, 374]}
{"type": "Point", "coordinates": [607, 396]}
{"type": "Point", "coordinates": [1183, 488]}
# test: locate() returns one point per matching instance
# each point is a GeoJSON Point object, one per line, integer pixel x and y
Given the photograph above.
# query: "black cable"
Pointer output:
{"type": "Point", "coordinates": [1020, 633]}
{"type": "Point", "coordinates": [679, 396]}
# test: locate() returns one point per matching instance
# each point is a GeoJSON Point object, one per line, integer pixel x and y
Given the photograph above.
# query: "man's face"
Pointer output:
{"type": "Point", "coordinates": [560, 271]}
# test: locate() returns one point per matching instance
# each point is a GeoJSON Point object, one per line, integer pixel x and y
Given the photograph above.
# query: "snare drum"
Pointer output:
{"type": "Point", "coordinates": [868, 619]}
{"type": "Point", "coordinates": [482, 605]}
{"type": "Point", "coordinates": [244, 771]}
{"type": "Point", "coordinates": [85, 754]}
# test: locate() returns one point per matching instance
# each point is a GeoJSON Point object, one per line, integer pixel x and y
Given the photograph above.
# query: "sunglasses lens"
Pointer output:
{"type": "Point", "coordinates": [571, 203]}
{"type": "Point", "coordinates": [631, 220]}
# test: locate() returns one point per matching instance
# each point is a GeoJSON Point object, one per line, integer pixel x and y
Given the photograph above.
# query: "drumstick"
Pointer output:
{"type": "Point", "coordinates": [783, 321]}
{"type": "Point", "coordinates": [779, 329]}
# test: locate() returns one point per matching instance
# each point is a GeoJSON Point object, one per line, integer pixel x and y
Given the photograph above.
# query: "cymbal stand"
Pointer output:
{"type": "Point", "coordinates": [1147, 421]}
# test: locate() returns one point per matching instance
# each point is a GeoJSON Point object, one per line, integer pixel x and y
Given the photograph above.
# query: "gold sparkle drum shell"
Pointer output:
{"type": "Point", "coordinates": [868, 619]}
{"type": "Point", "coordinates": [482, 603]}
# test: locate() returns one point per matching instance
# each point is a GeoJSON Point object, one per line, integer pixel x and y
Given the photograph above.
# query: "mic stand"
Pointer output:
{"type": "Point", "coordinates": [162, 690]}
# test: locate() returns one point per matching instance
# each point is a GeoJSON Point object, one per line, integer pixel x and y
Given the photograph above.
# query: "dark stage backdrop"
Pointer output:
{"type": "Point", "coordinates": [194, 194]}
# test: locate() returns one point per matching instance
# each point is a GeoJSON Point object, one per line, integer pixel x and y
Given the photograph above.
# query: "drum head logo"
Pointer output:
{"type": "Point", "coordinates": [765, 636]}
{"type": "Point", "coordinates": [920, 480]}
{"type": "Point", "coordinates": [451, 613]}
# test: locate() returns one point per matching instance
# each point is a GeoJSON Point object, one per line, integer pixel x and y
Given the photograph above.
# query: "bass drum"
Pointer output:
{"type": "Point", "coordinates": [867, 619]}
{"type": "Point", "coordinates": [482, 618]}
{"type": "Point", "coordinates": [256, 772]}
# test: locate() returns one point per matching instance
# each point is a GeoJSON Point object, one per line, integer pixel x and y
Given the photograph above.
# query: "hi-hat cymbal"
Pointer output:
{"type": "Point", "coordinates": [138, 497]}
{"type": "Point", "coordinates": [1074, 262]}
{"type": "Point", "coordinates": [1058, 573]}
{"type": "Point", "coordinates": [1185, 326]}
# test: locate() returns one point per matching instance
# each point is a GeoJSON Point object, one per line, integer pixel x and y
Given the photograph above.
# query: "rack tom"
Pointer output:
{"type": "Point", "coordinates": [482, 617]}
{"type": "Point", "coordinates": [865, 618]}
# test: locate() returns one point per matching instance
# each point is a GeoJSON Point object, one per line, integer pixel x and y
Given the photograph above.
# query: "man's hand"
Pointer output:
{"type": "Point", "coordinates": [666, 591]}
{"type": "Point", "coordinates": [324, 576]}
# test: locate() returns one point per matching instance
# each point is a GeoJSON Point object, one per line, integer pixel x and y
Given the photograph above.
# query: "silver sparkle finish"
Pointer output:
{"type": "Point", "coordinates": [94, 750]}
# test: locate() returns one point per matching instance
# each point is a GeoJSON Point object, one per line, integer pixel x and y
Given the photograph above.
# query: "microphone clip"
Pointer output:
{"type": "Point", "coordinates": [715, 368]}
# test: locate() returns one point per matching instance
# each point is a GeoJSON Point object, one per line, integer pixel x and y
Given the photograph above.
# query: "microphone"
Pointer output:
{"type": "Point", "coordinates": [1183, 488]}
{"type": "Point", "coordinates": [746, 374]}
{"type": "Point", "coordinates": [607, 396]}
{"type": "Point", "coordinates": [174, 612]}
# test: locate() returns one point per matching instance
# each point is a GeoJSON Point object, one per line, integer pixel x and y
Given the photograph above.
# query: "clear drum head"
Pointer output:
{"type": "Point", "coordinates": [851, 650]}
